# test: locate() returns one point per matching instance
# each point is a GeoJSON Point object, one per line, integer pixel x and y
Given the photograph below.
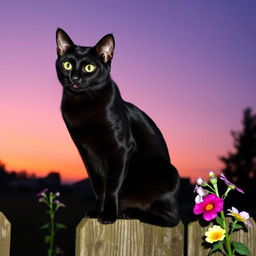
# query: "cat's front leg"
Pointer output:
{"type": "Point", "coordinates": [98, 183]}
{"type": "Point", "coordinates": [110, 210]}
{"type": "Point", "coordinates": [115, 177]}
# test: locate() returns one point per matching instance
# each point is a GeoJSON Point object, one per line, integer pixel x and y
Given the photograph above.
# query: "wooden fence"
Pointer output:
{"type": "Point", "coordinates": [133, 238]}
{"type": "Point", "coordinates": [127, 238]}
{"type": "Point", "coordinates": [5, 236]}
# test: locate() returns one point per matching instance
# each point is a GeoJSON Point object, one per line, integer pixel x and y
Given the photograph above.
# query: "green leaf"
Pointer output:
{"type": "Point", "coordinates": [45, 226]}
{"type": "Point", "coordinates": [60, 226]}
{"type": "Point", "coordinates": [216, 247]}
{"type": "Point", "coordinates": [238, 226]}
{"type": "Point", "coordinates": [219, 220]}
{"type": "Point", "coordinates": [50, 252]}
{"type": "Point", "coordinates": [241, 248]}
{"type": "Point", "coordinates": [47, 239]}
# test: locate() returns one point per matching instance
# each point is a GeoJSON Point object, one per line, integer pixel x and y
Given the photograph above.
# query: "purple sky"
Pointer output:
{"type": "Point", "coordinates": [191, 65]}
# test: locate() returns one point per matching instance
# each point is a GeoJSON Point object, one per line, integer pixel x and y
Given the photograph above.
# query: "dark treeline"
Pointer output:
{"type": "Point", "coordinates": [14, 181]}
{"type": "Point", "coordinates": [240, 165]}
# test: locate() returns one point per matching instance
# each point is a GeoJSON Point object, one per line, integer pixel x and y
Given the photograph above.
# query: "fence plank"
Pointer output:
{"type": "Point", "coordinates": [196, 239]}
{"type": "Point", "coordinates": [127, 238]}
{"type": "Point", "coordinates": [5, 235]}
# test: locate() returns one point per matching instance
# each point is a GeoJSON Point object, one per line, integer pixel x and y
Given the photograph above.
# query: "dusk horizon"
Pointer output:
{"type": "Point", "coordinates": [189, 66]}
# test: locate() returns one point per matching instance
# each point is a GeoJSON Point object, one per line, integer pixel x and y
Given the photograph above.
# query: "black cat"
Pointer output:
{"type": "Point", "coordinates": [123, 150]}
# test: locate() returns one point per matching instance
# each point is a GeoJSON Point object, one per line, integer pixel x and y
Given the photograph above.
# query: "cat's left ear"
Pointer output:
{"type": "Point", "coordinates": [63, 41]}
{"type": "Point", "coordinates": [105, 47]}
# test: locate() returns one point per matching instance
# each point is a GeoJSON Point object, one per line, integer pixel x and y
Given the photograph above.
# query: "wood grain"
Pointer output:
{"type": "Point", "coordinates": [128, 238]}
{"type": "Point", "coordinates": [5, 235]}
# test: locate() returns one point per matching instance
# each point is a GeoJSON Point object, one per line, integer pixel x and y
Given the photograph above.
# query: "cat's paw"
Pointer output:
{"type": "Point", "coordinates": [109, 213]}
{"type": "Point", "coordinates": [107, 217]}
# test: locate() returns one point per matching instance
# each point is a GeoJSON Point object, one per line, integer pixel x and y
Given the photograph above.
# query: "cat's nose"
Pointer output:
{"type": "Point", "coordinates": [75, 78]}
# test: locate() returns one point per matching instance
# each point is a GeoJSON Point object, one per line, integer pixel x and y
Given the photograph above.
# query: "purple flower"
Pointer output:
{"type": "Point", "coordinates": [209, 207]}
{"type": "Point", "coordinates": [230, 184]}
{"type": "Point", "coordinates": [59, 204]}
{"type": "Point", "coordinates": [42, 193]}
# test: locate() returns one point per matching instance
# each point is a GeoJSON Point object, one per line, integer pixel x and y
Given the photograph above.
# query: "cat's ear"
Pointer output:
{"type": "Point", "coordinates": [63, 41]}
{"type": "Point", "coordinates": [105, 47]}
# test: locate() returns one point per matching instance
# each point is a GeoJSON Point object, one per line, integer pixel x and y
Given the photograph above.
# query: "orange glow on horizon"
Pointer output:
{"type": "Point", "coordinates": [70, 166]}
{"type": "Point", "coordinates": [48, 147]}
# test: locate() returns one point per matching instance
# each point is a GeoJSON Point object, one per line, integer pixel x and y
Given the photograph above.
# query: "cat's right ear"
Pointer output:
{"type": "Point", "coordinates": [64, 43]}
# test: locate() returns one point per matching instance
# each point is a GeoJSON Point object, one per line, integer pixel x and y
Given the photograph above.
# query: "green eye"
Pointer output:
{"type": "Point", "coordinates": [89, 68]}
{"type": "Point", "coordinates": [67, 65]}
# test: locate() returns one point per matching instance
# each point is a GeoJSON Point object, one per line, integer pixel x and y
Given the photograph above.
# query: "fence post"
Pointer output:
{"type": "Point", "coordinates": [128, 238]}
{"type": "Point", "coordinates": [196, 233]}
{"type": "Point", "coordinates": [5, 235]}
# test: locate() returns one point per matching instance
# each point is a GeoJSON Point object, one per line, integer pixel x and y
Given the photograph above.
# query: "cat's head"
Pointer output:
{"type": "Point", "coordinates": [82, 68]}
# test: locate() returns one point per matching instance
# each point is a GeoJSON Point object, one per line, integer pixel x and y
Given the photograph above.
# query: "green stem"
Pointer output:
{"type": "Point", "coordinates": [209, 186]}
{"type": "Point", "coordinates": [227, 237]}
{"type": "Point", "coordinates": [226, 193]}
{"type": "Point", "coordinates": [52, 230]}
{"type": "Point", "coordinates": [233, 227]}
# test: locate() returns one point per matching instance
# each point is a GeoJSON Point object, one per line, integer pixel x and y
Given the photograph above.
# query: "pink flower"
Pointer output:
{"type": "Point", "coordinates": [210, 206]}
{"type": "Point", "coordinates": [230, 184]}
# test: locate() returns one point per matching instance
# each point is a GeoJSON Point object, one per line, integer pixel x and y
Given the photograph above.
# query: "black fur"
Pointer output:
{"type": "Point", "coordinates": [123, 150]}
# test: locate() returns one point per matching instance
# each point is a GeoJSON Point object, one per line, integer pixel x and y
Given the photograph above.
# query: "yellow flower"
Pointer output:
{"type": "Point", "coordinates": [215, 234]}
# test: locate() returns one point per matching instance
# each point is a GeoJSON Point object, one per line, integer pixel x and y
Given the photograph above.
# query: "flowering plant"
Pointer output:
{"type": "Point", "coordinates": [210, 204]}
{"type": "Point", "coordinates": [53, 204]}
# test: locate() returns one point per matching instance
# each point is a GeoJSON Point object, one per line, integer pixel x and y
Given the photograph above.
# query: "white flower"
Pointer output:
{"type": "Point", "coordinates": [240, 216]}
{"type": "Point", "coordinates": [201, 193]}
{"type": "Point", "coordinates": [199, 199]}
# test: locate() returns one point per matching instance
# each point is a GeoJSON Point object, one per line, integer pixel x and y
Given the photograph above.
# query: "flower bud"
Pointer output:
{"type": "Point", "coordinates": [232, 186]}
{"type": "Point", "coordinates": [57, 194]}
{"type": "Point", "coordinates": [211, 174]}
{"type": "Point", "coordinates": [201, 182]}
{"type": "Point", "coordinates": [41, 200]}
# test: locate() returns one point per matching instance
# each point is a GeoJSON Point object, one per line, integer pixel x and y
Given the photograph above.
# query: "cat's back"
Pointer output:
{"type": "Point", "coordinates": [139, 120]}
{"type": "Point", "coordinates": [146, 133]}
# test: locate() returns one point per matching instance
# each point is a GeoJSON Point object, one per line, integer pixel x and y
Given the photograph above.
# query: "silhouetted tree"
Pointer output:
{"type": "Point", "coordinates": [240, 166]}
{"type": "Point", "coordinates": [3, 175]}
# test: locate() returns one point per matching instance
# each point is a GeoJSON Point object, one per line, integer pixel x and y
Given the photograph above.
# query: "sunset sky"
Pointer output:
{"type": "Point", "coordinates": [190, 65]}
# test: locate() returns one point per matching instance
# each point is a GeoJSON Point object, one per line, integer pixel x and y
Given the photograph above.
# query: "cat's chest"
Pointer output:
{"type": "Point", "coordinates": [84, 116]}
